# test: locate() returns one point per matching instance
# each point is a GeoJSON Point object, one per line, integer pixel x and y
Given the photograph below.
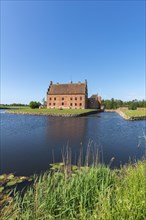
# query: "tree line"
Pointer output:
{"type": "Point", "coordinates": [114, 104]}
{"type": "Point", "coordinates": [14, 104]}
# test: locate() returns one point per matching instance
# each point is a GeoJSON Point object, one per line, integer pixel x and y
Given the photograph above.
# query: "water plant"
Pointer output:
{"type": "Point", "coordinates": [7, 182]}
{"type": "Point", "coordinates": [85, 193]}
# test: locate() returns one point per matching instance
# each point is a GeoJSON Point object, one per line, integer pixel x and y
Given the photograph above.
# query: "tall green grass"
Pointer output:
{"type": "Point", "coordinates": [87, 193]}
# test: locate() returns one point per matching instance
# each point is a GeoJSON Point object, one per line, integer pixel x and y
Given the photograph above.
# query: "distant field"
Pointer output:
{"type": "Point", "coordinates": [12, 107]}
{"type": "Point", "coordinates": [135, 113]}
{"type": "Point", "coordinates": [27, 110]}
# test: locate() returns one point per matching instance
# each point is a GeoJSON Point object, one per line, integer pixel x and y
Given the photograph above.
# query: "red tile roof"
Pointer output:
{"type": "Point", "coordinates": [94, 97]}
{"type": "Point", "coordinates": [67, 89]}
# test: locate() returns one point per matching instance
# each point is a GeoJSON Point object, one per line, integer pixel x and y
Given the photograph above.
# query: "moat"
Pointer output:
{"type": "Point", "coordinates": [30, 143]}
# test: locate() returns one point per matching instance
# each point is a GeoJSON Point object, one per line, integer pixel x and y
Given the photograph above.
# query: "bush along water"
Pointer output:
{"type": "Point", "coordinates": [81, 193]}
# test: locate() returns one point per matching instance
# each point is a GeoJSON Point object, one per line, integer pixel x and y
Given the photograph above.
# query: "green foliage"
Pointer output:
{"type": "Point", "coordinates": [1, 189]}
{"type": "Point", "coordinates": [17, 104]}
{"type": "Point", "coordinates": [6, 182]}
{"type": "Point", "coordinates": [114, 104]}
{"type": "Point", "coordinates": [34, 104]}
{"type": "Point", "coordinates": [93, 193]}
{"type": "Point", "coordinates": [13, 104]}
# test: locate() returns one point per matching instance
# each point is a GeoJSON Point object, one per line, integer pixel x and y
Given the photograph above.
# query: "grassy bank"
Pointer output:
{"type": "Point", "coordinates": [53, 112]}
{"type": "Point", "coordinates": [132, 114]}
{"type": "Point", "coordinates": [87, 193]}
{"type": "Point", "coordinates": [135, 113]}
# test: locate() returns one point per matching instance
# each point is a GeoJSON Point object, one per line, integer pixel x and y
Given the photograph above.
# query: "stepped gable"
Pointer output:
{"type": "Point", "coordinates": [67, 96]}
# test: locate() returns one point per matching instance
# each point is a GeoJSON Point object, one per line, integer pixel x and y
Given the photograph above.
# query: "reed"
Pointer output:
{"type": "Point", "coordinates": [83, 193]}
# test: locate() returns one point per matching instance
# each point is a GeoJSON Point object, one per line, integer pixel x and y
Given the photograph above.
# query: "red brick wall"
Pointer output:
{"type": "Point", "coordinates": [123, 108]}
{"type": "Point", "coordinates": [93, 103]}
{"type": "Point", "coordinates": [67, 101]}
{"type": "Point", "coordinates": [141, 108]}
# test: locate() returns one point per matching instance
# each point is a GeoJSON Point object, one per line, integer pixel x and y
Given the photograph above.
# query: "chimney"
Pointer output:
{"type": "Point", "coordinates": [85, 81]}
{"type": "Point", "coordinates": [71, 81]}
{"type": "Point", "coordinates": [51, 82]}
{"type": "Point", "coordinates": [99, 99]}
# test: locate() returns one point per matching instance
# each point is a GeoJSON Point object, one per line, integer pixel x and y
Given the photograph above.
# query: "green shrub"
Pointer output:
{"type": "Point", "coordinates": [34, 104]}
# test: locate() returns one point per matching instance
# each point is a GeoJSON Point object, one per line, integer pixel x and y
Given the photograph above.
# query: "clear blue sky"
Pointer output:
{"type": "Point", "coordinates": [101, 41]}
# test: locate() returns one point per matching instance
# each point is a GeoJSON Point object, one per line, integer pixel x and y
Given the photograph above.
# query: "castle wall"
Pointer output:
{"type": "Point", "coordinates": [77, 101]}
{"type": "Point", "coordinates": [93, 103]}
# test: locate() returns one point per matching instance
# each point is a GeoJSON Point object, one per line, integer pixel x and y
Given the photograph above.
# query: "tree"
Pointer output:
{"type": "Point", "coordinates": [34, 104]}
{"type": "Point", "coordinates": [43, 100]}
{"type": "Point", "coordinates": [114, 104]}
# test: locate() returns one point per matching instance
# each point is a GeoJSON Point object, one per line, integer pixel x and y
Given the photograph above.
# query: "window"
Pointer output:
{"type": "Point", "coordinates": [62, 103]}
{"type": "Point", "coordinates": [75, 98]}
{"type": "Point", "coordinates": [49, 103]}
{"type": "Point", "coordinates": [80, 104]}
{"type": "Point", "coordinates": [70, 104]}
{"type": "Point", "coordinates": [53, 103]}
{"type": "Point", "coordinates": [50, 98]}
{"type": "Point", "coordinates": [75, 104]}
{"type": "Point", "coordinates": [62, 98]}
{"type": "Point", "coordinates": [80, 97]}
{"type": "Point", "coordinates": [70, 98]}
{"type": "Point", "coordinates": [54, 98]}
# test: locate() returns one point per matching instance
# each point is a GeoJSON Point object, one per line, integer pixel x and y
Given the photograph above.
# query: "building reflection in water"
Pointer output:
{"type": "Point", "coordinates": [63, 133]}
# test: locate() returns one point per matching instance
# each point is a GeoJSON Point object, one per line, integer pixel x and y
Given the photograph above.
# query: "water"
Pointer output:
{"type": "Point", "coordinates": [30, 143]}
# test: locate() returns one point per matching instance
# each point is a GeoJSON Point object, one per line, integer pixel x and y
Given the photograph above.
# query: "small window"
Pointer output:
{"type": "Point", "coordinates": [80, 97]}
{"type": "Point", "coordinates": [62, 103]}
{"type": "Point", "coordinates": [75, 104]}
{"type": "Point", "coordinates": [53, 103]}
{"type": "Point", "coordinates": [75, 98]}
{"type": "Point", "coordinates": [54, 98]}
{"type": "Point", "coordinates": [49, 103]}
{"type": "Point", "coordinates": [70, 104]}
{"type": "Point", "coordinates": [50, 98]}
{"type": "Point", "coordinates": [62, 98]}
{"type": "Point", "coordinates": [70, 98]}
{"type": "Point", "coordinates": [80, 104]}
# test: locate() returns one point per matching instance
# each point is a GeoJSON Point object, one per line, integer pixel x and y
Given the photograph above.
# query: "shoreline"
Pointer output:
{"type": "Point", "coordinates": [70, 115]}
{"type": "Point", "coordinates": [126, 117]}
{"type": "Point", "coordinates": [130, 118]}
{"type": "Point", "coordinates": [54, 114]}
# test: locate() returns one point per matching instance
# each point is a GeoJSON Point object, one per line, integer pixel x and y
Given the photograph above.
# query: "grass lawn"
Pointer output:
{"type": "Point", "coordinates": [90, 193]}
{"type": "Point", "coordinates": [135, 113]}
{"type": "Point", "coordinates": [27, 110]}
{"type": "Point", "coordinates": [12, 107]}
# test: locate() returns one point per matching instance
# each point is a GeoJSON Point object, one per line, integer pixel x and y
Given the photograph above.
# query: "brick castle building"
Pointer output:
{"type": "Point", "coordinates": [71, 96]}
